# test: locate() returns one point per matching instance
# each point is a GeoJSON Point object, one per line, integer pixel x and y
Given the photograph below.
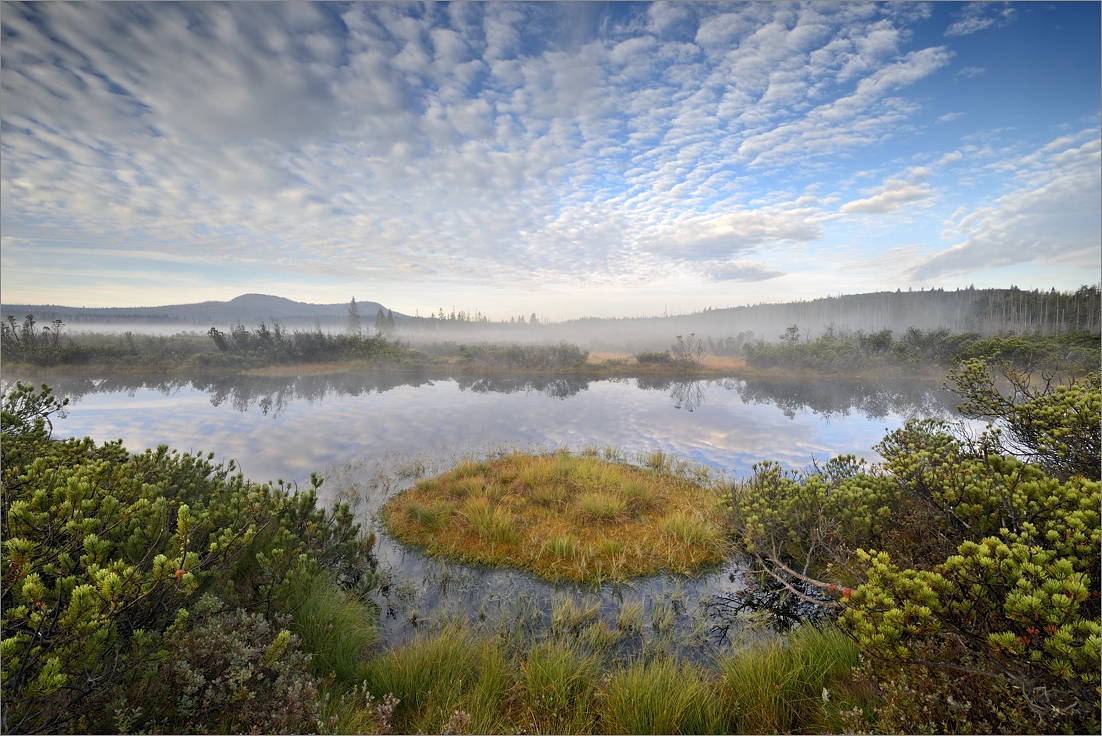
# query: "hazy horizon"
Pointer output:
{"type": "Point", "coordinates": [567, 159]}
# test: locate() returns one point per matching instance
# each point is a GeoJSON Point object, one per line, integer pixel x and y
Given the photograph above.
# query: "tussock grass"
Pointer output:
{"type": "Point", "coordinates": [562, 546]}
{"type": "Point", "coordinates": [601, 506]}
{"type": "Point", "coordinates": [658, 461]}
{"type": "Point", "coordinates": [490, 522]}
{"type": "Point", "coordinates": [431, 515]}
{"type": "Point", "coordinates": [659, 697]}
{"type": "Point", "coordinates": [568, 616]}
{"type": "Point", "coordinates": [336, 628]}
{"type": "Point", "coordinates": [488, 681]}
{"type": "Point", "coordinates": [777, 686]}
{"type": "Point", "coordinates": [564, 516]}
{"type": "Point", "coordinates": [630, 617]}
{"type": "Point", "coordinates": [689, 529]}
{"type": "Point", "coordinates": [430, 677]}
{"type": "Point", "coordinates": [637, 495]}
{"type": "Point", "coordinates": [559, 687]}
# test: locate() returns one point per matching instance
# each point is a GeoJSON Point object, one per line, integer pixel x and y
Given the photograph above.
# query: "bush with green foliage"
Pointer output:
{"type": "Point", "coordinates": [841, 351]}
{"type": "Point", "coordinates": [523, 357]}
{"type": "Point", "coordinates": [264, 346]}
{"type": "Point", "coordinates": [104, 555]}
{"type": "Point", "coordinates": [656, 357]}
{"type": "Point", "coordinates": [955, 556]}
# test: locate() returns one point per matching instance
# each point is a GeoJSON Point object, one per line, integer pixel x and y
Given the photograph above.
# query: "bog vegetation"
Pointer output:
{"type": "Point", "coordinates": [564, 516]}
{"type": "Point", "coordinates": [966, 568]}
{"type": "Point", "coordinates": [956, 584]}
{"type": "Point", "coordinates": [159, 592]}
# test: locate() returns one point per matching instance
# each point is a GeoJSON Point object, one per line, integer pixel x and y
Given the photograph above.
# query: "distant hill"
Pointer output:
{"type": "Point", "coordinates": [248, 309]}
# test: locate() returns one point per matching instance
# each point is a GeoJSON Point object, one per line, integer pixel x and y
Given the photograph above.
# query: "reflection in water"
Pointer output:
{"type": "Point", "coordinates": [838, 398]}
{"type": "Point", "coordinates": [828, 398]}
{"type": "Point", "coordinates": [556, 388]}
{"type": "Point", "coordinates": [689, 394]}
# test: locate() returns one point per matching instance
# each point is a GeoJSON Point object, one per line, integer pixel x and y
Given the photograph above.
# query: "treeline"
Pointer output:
{"type": "Point", "coordinates": [1010, 311]}
{"type": "Point", "coordinates": [842, 351]}
{"type": "Point", "coordinates": [239, 348]}
{"type": "Point", "coordinates": [987, 312]}
{"type": "Point", "coordinates": [264, 346]}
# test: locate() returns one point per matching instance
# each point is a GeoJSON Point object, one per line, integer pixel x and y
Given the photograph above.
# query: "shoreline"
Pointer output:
{"type": "Point", "coordinates": [452, 369]}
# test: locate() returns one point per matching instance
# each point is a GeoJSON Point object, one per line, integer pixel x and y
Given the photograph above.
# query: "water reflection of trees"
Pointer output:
{"type": "Point", "coordinates": [273, 394]}
{"type": "Point", "coordinates": [559, 388]}
{"type": "Point", "coordinates": [838, 398]}
{"type": "Point", "coordinates": [685, 393]}
{"type": "Point", "coordinates": [270, 394]}
{"type": "Point", "coordinates": [829, 398]}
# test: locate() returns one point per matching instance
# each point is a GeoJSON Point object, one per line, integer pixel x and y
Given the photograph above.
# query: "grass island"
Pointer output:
{"type": "Point", "coordinates": [565, 516]}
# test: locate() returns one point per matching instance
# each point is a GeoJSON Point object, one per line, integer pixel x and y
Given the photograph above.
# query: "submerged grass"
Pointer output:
{"type": "Point", "coordinates": [565, 516]}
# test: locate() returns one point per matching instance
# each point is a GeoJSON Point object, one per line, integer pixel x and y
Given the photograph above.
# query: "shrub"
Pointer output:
{"type": "Point", "coordinates": [230, 672]}
{"type": "Point", "coordinates": [104, 552]}
{"type": "Point", "coordinates": [688, 351]}
{"type": "Point", "coordinates": [646, 358]}
{"type": "Point", "coordinates": [952, 555]}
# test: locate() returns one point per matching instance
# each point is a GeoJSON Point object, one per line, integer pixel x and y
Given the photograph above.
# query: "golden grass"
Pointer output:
{"type": "Point", "coordinates": [563, 516]}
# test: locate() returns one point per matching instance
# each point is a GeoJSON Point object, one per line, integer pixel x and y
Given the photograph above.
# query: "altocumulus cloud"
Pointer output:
{"type": "Point", "coordinates": [1051, 215]}
{"type": "Point", "coordinates": [489, 143]}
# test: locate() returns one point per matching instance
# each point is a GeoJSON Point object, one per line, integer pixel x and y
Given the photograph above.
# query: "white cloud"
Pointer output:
{"type": "Point", "coordinates": [489, 144]}
{"type": "Point", "coordinates": [1051, 216]}
{"type": "Point", "coordinates": [742, 271]}
{"type": "Point", "coordinates": [949, 117]}
{"type": "Point", "coordinates": [893, 194]}
{"type": "Point", "coordinates": [969, 71]}
{"type": "Point", "coordinates": [980, 16]}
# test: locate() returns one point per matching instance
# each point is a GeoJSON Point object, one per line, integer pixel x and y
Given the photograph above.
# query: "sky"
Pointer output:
{"type": "Point", "coordinates": [568, 159]}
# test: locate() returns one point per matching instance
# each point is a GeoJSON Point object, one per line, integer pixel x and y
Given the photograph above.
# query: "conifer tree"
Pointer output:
{"type": "Point", "coordinates": [353, 325]}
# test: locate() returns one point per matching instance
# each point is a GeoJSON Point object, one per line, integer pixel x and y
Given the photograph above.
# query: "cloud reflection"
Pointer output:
{"type": "Point", "coordinates": [288, 427]}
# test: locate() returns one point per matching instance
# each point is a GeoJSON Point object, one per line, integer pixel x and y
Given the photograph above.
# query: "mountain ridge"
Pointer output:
{"type": "Point", "coordinates": [242, 308]}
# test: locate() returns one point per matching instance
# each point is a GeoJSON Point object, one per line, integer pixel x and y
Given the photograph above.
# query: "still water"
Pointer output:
{"type": "Point", "coordinates": [369, 435]}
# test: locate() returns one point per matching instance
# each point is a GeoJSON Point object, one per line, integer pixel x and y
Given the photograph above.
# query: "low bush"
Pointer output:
{"type": "Point", "coordinates": [955, 556]}
{"type": "Point", "coordinates": [107, 556]}
{"type": "Point", "coordinates": [651, 358]}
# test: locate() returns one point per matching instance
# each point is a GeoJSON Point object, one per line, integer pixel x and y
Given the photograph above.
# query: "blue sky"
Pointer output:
{"type": "Point", "coordinates": [568, 159]}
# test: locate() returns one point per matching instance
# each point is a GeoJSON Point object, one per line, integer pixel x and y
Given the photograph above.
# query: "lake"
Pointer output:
{"type": "Point", "coordinates": [370, 435]}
